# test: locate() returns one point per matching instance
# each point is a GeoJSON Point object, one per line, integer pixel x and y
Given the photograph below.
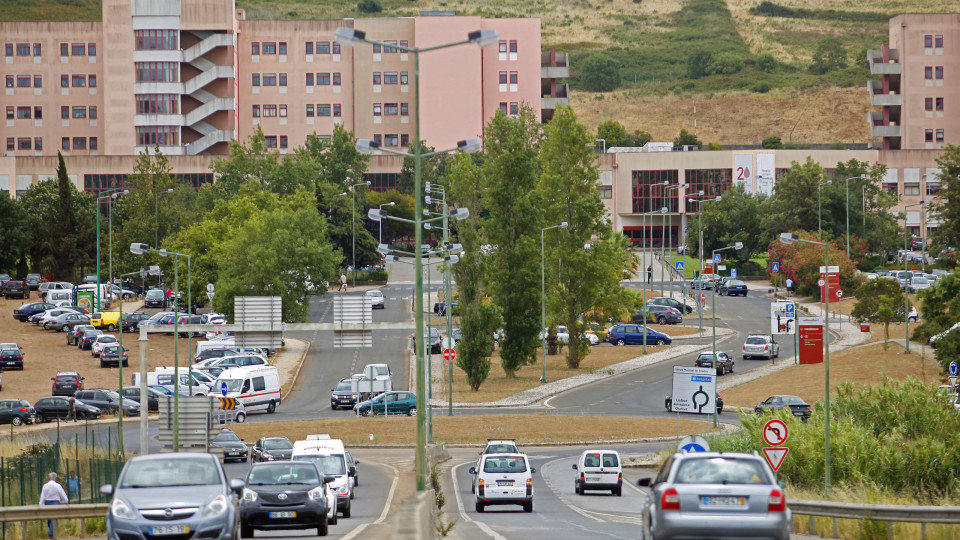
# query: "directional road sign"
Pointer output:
{"type": "Point", "coordinates": [223, 388]}
{"type": "Point", "coordinates": [953, 381]}
{"type": "Point", "coordinates": [228, 403]}
{"type": "Point", "coordinates": [716, 257]}
{"type": "Point", "coordinates": [776, 267]}
{"type": "Point", "coordinates": [953, 368]}
{"type": "Point", "coordinates": [449, 354]}
{"type": "Point", "coordinates": [775, 432]}
{"type": "Point", "coordinates": [783, 318]}
{"type": "Point", "coordinates": [775, 456]}
{"type": "Point", "coordinates": [694, 389]}
{"type": "Point", "coordinates": [679, 266]}
{"type": "Point", "coordinates": [694, 443]}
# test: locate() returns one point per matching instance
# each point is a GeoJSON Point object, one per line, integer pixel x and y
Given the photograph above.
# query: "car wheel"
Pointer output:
{"type": "Point", "coordinates": [16, 420]}
{"type": "Point", "coordinates": [241, 417]}
{"type": "Point", "coordinates": [661, 341]}
{"type": "Point", "coordinates": [246, 531]}
{"type": "Point", "coordinates": [479, 507]}
{"type": "Point", "coordinates": [528, 506]}
{"type": "Point", "coordinates": [272, 407]}
{"type": "Point", "coordinates": [661, 320]}
{"type": "Point", "coordinates": [412, 411]}
{"type": "Point", "coordinates": [346, 511]}
{"type": "Point", "coordinates": [111, 328]}
{"type": "Point", "coordinates": [621, 343]}
{"type": "Point", "coordinates": [323, 528]}
{"type": "Point", "coordinates": [731, 367]}
{"type": "Point", "coordinates": [576, 487]}
{"type": "Point", "coordinates": [365, 412]}
{"type": "Point", "coordinates": [102, 365]}
{"type": "Point", "coordinates": [333, 520]}
{"type": "Point", "coordinates": [719, 410]}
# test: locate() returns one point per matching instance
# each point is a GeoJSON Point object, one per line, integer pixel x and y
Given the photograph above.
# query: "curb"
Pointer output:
{"type": "Point", "coordinates": [299, 364]}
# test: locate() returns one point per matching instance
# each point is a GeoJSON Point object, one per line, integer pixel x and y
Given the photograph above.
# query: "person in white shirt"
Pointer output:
{"type": "Point", "coordinates": [52, 493]}
{"type": "Point", "coordinates": [343, 282]}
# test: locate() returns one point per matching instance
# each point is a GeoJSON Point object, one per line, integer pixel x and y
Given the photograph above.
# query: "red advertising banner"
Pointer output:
{"type": "Point", "coordinates": [810, 338]}
{"type": "Point", "coordinates": [834, 282]}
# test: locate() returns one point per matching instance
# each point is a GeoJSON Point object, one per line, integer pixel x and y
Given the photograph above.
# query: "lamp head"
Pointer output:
{"type": "Point", "coordinates": [153, 270]}
{"type": "Point", "coordinates": [139, 249]}
{"type": "Point", "coordinates": [169, 190]}
{"type": "Point", "coordinates": [563, 225]}
{"type": "Point", "coordinates": [366, 146]}
{"type": "Point", "coordinates": [738, 246]}
{"type": "Point", "coordinates": [684, 186]}
{"type": "Point", "coordinates": [344, 194]}
{"type": "Point", "coordinates": [164, 252]}
{"type": "Point", "coordinates": [483, 38]}
{"type": "Point", "coordinates": [348, 36]}
{"type": "Point", "coordinates": [664, 210]}
{"type": "Point", "coordinates": [428, 226]}
{"type": "Point", "coordinates": [470, 146]}
{"type": "Point", "coordinates": [719, 198]}
{"type": "Point", "coordinates": [428, 199]}
{"type": "Point", "coordinates": [392, 258]}
{"type": "Point", "coordinates": [700, 193]}
{"type": "Point", "coordinates": [451, 259]}
{"type": "Point", "coordinates": [461, 213]}
{"type": "Point", "coordinates": [384, 249]}
{"type": "Point", "coordinates": [376, 214]}
{"type": "Point", "coordinates": [788, 238]}
{"type": "Point", "coordinates": [455, 249]}
{"type": "Point", "coordinates": [391, 203]}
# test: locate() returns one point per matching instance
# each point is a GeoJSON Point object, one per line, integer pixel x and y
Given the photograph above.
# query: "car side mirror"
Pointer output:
{"type": "Point", "coordinates": [241, 438]}
{"type": "Point", "coordinates": [52, 379]}
{"type": "Point", "coordinates": [472, 470]}
{"type": "Point", "coordinates": [645, 482]}
{"type": "Point", "coordinates": [533, 470]}
{"type": "Point", "coordinates": [236, 485]}
{"type": "Point", "coordinates": [327, 479]}
{"type": "Point", "coordinates": [107, 490]}
{"type": "Point", "coordinates": [356, 462]}
{"type": "Point", "coordinates": [574, 466]}
{"type": "Point", "coordinates": [782, 484]}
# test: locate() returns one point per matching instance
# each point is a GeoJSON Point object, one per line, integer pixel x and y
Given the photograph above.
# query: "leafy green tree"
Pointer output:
{"type": "Point", "coordinates": [403, 207]}
{"type": "Point", "coordinates": [944, 205]}
{"type": "Point", "coordinates": [801, 261]}
{"type": "Point", "coordinates": [41, 204]}
{"type": "Point", "coordinates": [601, 73]}
{"type": "Point", "coordinates": [614, 134]}
{"type": "Point", "coordinates": [767, 63]}
{"type": "Point", "coordinates": [509, 180]}
{"type": "Point", "coordinates": [67, 250]}
{"type": "Point", "coordinates": [479, 317]}
{"type": "Point", "coordinates": [725, 64]}
{"type": "Point", "coordinates": [699, 63]}
{"type": "Point", "coordinates": [431, 169]}
{"type": "Point", "coordinates": [737, 217]}
{"type": "Point", "coordinates": [879, 301]}
{"type": "Point", "coordinates": [873, 228]}
{"type": "Point", "coordinates": [685, 138]}
{"type": "Point", "coordinates": [829, 55]}
{"type": "Point", "coordinates": [15, 240]}
{"type": "Point", "coordinates": [587, 277]}
{"type": "Point", "coordinates": [772, 142]}
{"type": "Point", "coordinates": [793, 205]}
{"type": "Point", "coordinates": [948, 350]}
{"type": "Point", "coordinates": [370, 6]}
{"type": "Point", "coordinates": [941, 307]}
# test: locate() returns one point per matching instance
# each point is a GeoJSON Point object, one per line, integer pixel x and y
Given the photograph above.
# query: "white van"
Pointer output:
{"type": "Point", "coordinates": [598, 469]}
{"type": "Point", "coordinates": [503, 479]}
{"type": "Point", "coordinates": [163, 376]}
{"type": "Point", "coordinates": [330, 457]}
{"type": "Point", "coordinates": [258, 387]}
{"type": "Point", "coordinates": [58, 295]}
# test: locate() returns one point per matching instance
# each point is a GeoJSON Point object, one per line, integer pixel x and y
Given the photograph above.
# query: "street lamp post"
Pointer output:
{"type": "Point", "coordinates": [699, 203]}
{"type": "Point", "coordinates": [713, 307]}
{"type": "Point", "coordinates": [820, 210]}
{"type": "Point", "coordinates": [156, 218]}
{"type": "Point", "coordinates": [143, 399]}
{"type": "Point", "coordinates": [906, 278]}
{"type": "Point", "coordinates": [788, 238]}
{"type": "Point", "coordinates": [110, 194]}
{"type": "Point", "coordinates": [663, 243]}
{"type": "Point", "coordinates": [483, 38]}
{"type": "Point", "coordinates": [391, 203]}
{"type": "Point", "coordinates": [543, 297]}
{"type": "Point", "coordinates": [847, 182]}
{"type": "Point", "coordinates": [353, 223]}
{"type": "Point", "coordinates": [643, 311]}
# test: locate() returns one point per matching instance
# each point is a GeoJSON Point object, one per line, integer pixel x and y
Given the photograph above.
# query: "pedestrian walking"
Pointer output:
{"type": "Point", "coordinates": [52, 493]}
{"type": "Point", "coordinates": [72, 413]}
{"type": "Point", "coordinates": [343, 282]}
{"type": "Point", "coordinates": [73, 485]}
{"type": "Point", "coordinates": [650, 273]}
{"type": "Point", "coordinates": [789, 287]}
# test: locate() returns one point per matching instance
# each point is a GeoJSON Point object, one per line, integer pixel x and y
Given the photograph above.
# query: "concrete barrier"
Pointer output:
{"type": "Point", "coordinates": [414, 519]}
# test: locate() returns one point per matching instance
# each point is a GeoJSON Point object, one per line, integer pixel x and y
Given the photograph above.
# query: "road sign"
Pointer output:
{"type": "Point", "coordinates": [953, 368]}
{"type": "Point", "coordinates": [210, 287]}
{"type": "Point", "coordinates": [953, 381]}
{"type": "Point", "coordinates": [449, 354]}
{"type": "Point", "coordinates": [228, 403]}
{"type": "Point", "coordinates": [783, 318]}
{"type": "Point", "coordinates": [694, 389]}
{"type": "Point", "coordinates": [716, 257]}
{"type": "Point", "coordinates": [679, 266]}
{"type": "Point", "coordinates": [820, 282]}
{"type": "Point", "coordinates": [210, 296]}
{"type": "Point", "coordinates": [733, 272]}
{"type": "Point", "coordinates": [775, 267]}
{"type": "Point", "coordinates": [223, 388]}
{"type": "Point", "coordinates": [810, 340]}
{"type": "Point", "coordinates": [839, 293]}
{"type": "Point", "coordinates": [775, 456]}
{"type": "Point", "coordinates": [694, 443]}
{"type": "Point", "coordinates": [775, 432]}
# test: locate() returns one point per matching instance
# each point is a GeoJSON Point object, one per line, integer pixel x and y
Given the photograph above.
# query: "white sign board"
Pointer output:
{"type": "Point", "coordinates": [694, 389]}
{"type": "Point", "coordinates": [783, 318]}
{"type": "Point", "coordinates": [766, 173]}
{"type": "Point", "coordinates": [743, 171]}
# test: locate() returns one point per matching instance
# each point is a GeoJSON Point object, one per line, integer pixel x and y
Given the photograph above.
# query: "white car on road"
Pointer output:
{"type": "Point", "coordinates": [105, 339]}
{"type": "Point", "coordinates": [376, 299]}
{"type": "Point", "coordinates": [504, 479]}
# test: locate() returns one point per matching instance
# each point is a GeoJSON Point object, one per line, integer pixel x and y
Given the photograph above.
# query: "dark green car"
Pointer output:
{"type": "Point", "coordinates": [389, 403]}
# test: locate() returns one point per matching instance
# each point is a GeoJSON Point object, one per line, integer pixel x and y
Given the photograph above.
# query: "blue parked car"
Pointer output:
{"type": "Point", "coordinates": [632, 334]}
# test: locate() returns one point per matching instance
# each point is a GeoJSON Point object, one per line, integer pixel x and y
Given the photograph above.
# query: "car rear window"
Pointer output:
{"type": "Point", "coordinates": [513, 464]}
{"type": "Point", "coordinates": [721, 470]}
{"type": "Point", "coordinates": [610, 460]}
{"type": "Point", "coordinates": [792, 400]}
{"type": "Point", "coordinates": [756, 341]}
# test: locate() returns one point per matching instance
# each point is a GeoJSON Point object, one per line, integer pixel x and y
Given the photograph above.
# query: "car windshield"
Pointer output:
{"type": "Point", "coordinates": [154, 293]}
{"type": "Point", "coordinates": [329, 464]}
{"type": "Point", "coordinates": [508, 464]}
{"type": "Point", "coordinates": [501, 449]}
{"type": "Point", "coordinates": [374, 293]}
{"type": "Point", "coordinates": [721, 470]}
{"type": "Point", "coordinates": [921, 281]}
{"type": "Point", "coordinates": [756, 341]}
{"type": "Point", "coordinates": [227, 436]}
{"type": "Point", "coordinates": [233, 385]}
{"type": "Point", "coordinates": [343, 387]}
{"type": "Point", "coordinates": [793, 400]}
{"type": "Point", "coordinates": [293, 473]}
{"type": "Point", "coordinates": [170, 472]}
{"type": "Point", "coordinates": [277, 444]}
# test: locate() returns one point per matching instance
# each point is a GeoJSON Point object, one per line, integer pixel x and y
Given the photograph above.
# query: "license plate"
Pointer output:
{"type": "Point", "coordinates": [723, 501]}
{"type": "Point", "coordinates": [593, 479]}
{"type": "Point", "coordinates": [163, 530]}
{"type": "Point", "coordinates": [504, 482]}
{"type": "Point", "coordinates": [281, 515]}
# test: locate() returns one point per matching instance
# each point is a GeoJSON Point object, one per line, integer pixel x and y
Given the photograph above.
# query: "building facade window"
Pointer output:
{"type": "Point", "coordinates": [647, 189]}
{"type": "Point", "coordinates": [64, 143]}
{"type": "Point", "coordinates": [283, 141]}
{"type": "Point", "coordinates": [404, 139]}
{"type": "Point", "coordinates": [283, 79]}
{"type": "Point", "coordinates": [156, 71]}
{"type": "Point", "coordinates": [928, 135]}
{"type": "Point", "coordinates": [79, 112]}
{"type": "Point", "coordinates": [157, 104]}
{"type": "Point", "coordinates": [404, 78]}
{"type": "Point", "coordinates": [92, 81]}
{"type": "Point", "coordinates": [503, 77]}
{"type": "Point", "coordinates": [390, 77]}
{"type": "Point", "coordinates": [282, 47]}
{"type": "Point", "coordinates": [269, 79]}
{"type": "Point", "coordinates": [64, 81]}
{"type": "Point", "coordinates": [336, 110]}
{"type": "Point", "coordinates": [24, 143]}
{"type": "Point", "coordinates": [38, 143]}
{"type": "Point", "coordinates": [92, 112]}
{"type": "Point", "coordinates": [939, 104]}
{"type": "Point", "coordinates": [514, 107]}
{"type": "Point", "coordinates": [928, 41]}
{"type": "Point", "coordinates": [78, 81]}
{"type": "Point", "coordinates": [79, 143]}
{"type": "Point", "coordinates": [503, 106]}
{"type": "Point", "coordinates": [37, 48]}
{"type": "Point", "coordinates": [64, 51]}
{"type": "Point", "coordinates": [391, 139]}
{"type": "Point", "coordinates": [11, 142]}
{"type": "Point", "coordinates": [390, 46]}
{"type": "Point", "coordinates": [38, 81]}
{"type": "Point", "coordinates": [256, 111]}
{"type": "Point", "coordinates": [403, 43]}
{"type": "Point", "coordinates": [156, 40]}
{"type": "Point", "coordinates": [323, 109]}
{"type": "Point", "coordinates": [939, 135]}
{"type": "Point", "coordinates": [928, 72]}
{"type": "Point", "coordinates": [376, 109]}
{"type": "Point", "coordinates": [23, 49]}
{"type": "Point", "coordinates": [376, 77]}
{"type": "Point", "coordinates": [255, 79]}
{"type": "Point", "coordinates": [255, 48]}
{"type": "Point", "coordinates": [8, 49]}
{"type": "Point", "coordinates": [713, 182]}
{"type": "Point", "coordinates": [390, 109]}
{"type": "Point", "coordinates": [283, 111]}
{"type": "Point", "coordinates": [503, 45]}
{"type": "Point", "coordinates": [309, 79]}
{"type": "Point", "coordinates": [323, 79]}
{"type": "Point", "coordinates": [24, 113]}
{"type": "Point", "coordinates": [404, 109]}
{"type": "Point", "coordinates": [91, 49]}
{"type": "Point", "coordinates": [513, 77]}
{"type": "Point", "coordinates": [93, 143]}
{"type": "Point", "coordinates": [158, 135]}
{"type": "Point", "coordinates": [513, 45]}
{"type": "Point", "coordinates": [271, 141]}
{"type": "Point", "coordinates": [9, 83]}
{"type": "Point", "coordinates": [269, 111]}
{"type": "Point", "coordinates": [938, 42]}
{"type": "Point", "coordinates": [309, 110]}
{"type": "Point", "coordinates": [64, 112]}
{"type": "Point", "coordinates": [38, 111]}
{"type": "Point", "coordinates": [309, 47]}
{"type": "Point", "coordinates": [928, 104]}
{"type": "Point", "coordinates": [376, 48]}
{"type": "Point", "coordinates": [269, 47]}
{"type": "Point", "coordinates": [336, 79]}
{"type": "Point", "coordinates": [938, 72]}
{"type": "Point", "coordinates": [336, 48]}
{"type": "Point", "coordinates": [323, 47]}
{"type": "Point", "coordinates": [378, 138]}
{"type": "Point", "coordinates": [78, 49]}
{"type": "Point", "coordinates": [23, 81]}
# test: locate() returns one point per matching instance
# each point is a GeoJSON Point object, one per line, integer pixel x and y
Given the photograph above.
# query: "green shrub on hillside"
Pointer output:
{"type": "Point", "coordinates": [761, 87]}
{"type": "Point", "coordinates": [830, 55]}
{"type": "Point", "coordinates": [725, 64]}
{"type": "Point", "coordinates": [604, 74]}
{"type": "Point", "coordinates": [370, 6]}
{"type": "Point", "coordinates": [766, 63]}
{"type": "Point", "coordinates": [699, 63]}
{"type": "Point", "coordinates": [772, 142]}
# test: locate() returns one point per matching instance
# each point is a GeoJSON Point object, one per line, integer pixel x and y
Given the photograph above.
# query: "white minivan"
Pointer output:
{"type": "Point", "coordinates": [329, 456]}
{"type": "Point", "coordinates": [504, 479]}
{"type": "Point", "coordinates": [598, 469]}
{"type": "Point", "coordinates": [258, 387]}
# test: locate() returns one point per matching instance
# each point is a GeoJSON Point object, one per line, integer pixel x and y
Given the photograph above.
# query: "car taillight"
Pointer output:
{"type": "Point", "coordinates": [766, 347]}
{"type": "Point", "coordinates": [744, 347]}
{"type": "Point", "coordinates": [613, 334]}
{"type": "Point", "coordinates": [777, 502]}
{"type": "Point", "coordinates": [529, 483]}
{"type": "Point", "coordinates": [619, 477]}
{"type": "Point", "coordinates": [23, 409]}
{"type": "Point", "coordinates": [670, 500]}
{"type": "Point", "coordinates": [78, 381]}
{"type": "Point", "coordinates": [480, 481]}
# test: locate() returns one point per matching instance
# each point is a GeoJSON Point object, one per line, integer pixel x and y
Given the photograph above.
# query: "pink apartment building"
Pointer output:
{"type": "Point", "coordinates": [192, 75]}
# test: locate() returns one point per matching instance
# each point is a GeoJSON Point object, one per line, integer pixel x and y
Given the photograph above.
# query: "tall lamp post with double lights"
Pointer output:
{"type": "Point", "coordinates": [820, 209]}
{"type": "Point", "coordinates": [143, 392]}
{"type": "Point", "coordinates": [156, 218]}
{"type": "Point", "coordinates": [699, 203]}
{"type": "Point", "coordinates": [353, 223]}
{"type": "Point", "coordinates": [789, 238]}
{"type": "Point", "coordinates": [111, 195]}
{"type": "Point", "coordinates": [140, 249]}
{"type": "Point", "coordinates": [663, 235]}
{"type": "Point", "coordinates": [543, 297]}
{"type": "Point", "coordinates": [391, 203]}
{"type": "Point", "coordinates": [906, 277]}
{"type": "Point", "coordinates": [644, 310]}
{"type": "Point", "coordinates": [713, 307]}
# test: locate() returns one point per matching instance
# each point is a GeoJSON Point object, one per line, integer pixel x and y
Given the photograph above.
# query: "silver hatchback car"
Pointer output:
{"type": "Point", "coordinates": [184, 495]}
{"type": "Point", "coordinates": [715, 495]}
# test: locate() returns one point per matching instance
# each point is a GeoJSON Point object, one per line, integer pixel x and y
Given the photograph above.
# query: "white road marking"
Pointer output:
{"type": "Point", "coordinates": [589, 514]}
{"type": "Point", "coordinates": [547, 403]}
{"type": "Point", "coordinates": [386, 507]}
{"type": "Point", "coordinates": [456, 490]}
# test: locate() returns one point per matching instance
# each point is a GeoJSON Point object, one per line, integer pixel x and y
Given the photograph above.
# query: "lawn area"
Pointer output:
{"type": "Point", "coordinates": [525, 428]}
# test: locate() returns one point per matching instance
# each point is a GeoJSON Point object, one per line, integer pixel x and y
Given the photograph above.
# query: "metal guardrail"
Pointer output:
{"type": "Point", "coordinates": [36, 512]}
{"type": "Point", "coordinates": [891, 513]}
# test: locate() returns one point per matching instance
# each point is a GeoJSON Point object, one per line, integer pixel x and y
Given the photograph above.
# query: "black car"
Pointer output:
{"type": "Point", "coordinates": [732, 287]}
{"type": "Point", "coordinates": [440, 308]}
{"type": "Point", "coordinates": [670, 302]}
{"type": "Point", "coordinates": [34, 281]}
{"type": "Point", "coordinates": [352, 470]}
{"type": "Point", "coordinates": [11, 357]}
{"type": "Point", "coordinates": [233, 447]}
{"type": "Point", "coordinates": [25, 311]}
{"type": "Point", "coordinates": [16, 289]}
{"type": "Point", "coordinates": [289, 495]}
{"type": "Point", "coordinates": [51, 408]}
{"type": "Point", "coordinates": [795, 404]}
{"type": "Point", "coordinates": [67, 383]}
{"type": "Point", "coordinates": [86, 339]}
{"type": "Point", "coordinates": [668, 403]}
{"type": "Point", "coordinates": [271, 449]}
{"type": "Point", "coordinates": [660, 315]}
{"type": "Point", "coordinates": [343, 396]}
{"type": "Point", "coordinates": [153, 396]}
{"type": "Point", "coordinates": [108, 401]}
{"type": "Point", "coordinates": [131, 321]}
{"type": "Point", "coordinates": [723, 363]}
{"type": "Point", "coordinates": [155, 298]}
{"type": "Point", "coordinates": [74, 334]}
{"type": "Point", "coordinates": [16, 412]}
{"type": "Point", "coordinates": [110, 355]}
